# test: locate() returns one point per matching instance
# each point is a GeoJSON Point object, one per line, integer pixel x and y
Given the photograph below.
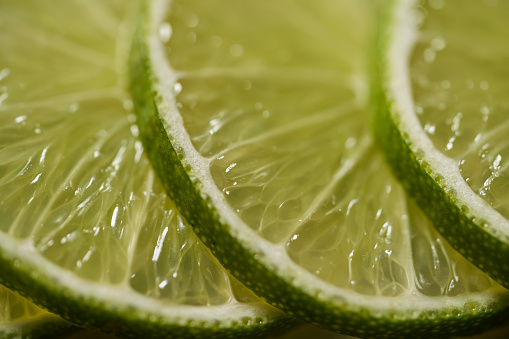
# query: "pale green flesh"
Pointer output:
{"type": "Point", "coordinates": [20, 318]}
{"type": "Point", "coordinates": [287, 144]}
{"type": "Point", "coordinates": [459, 75]}
{"type": "Point", "coordinates": [16, 308]}
{"type": "Point", "coordinates": [76, 186]}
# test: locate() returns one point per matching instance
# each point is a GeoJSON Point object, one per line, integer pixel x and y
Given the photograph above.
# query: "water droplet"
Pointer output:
{"type": "Point", "coordinates": [20, 119]}
{"type": "Point", "coordinates": [446, 84]}
{"type": "Point", "coordinates": [229, 168]}
{"type": "Point", "coordinates": [450, 144]}
{"type": "Point", "coordinates": [496, 163]}
{"type": "Point", "coordinates": [236, 50]}
{"type": "Point", "coordinates": [135, 131]}
{"type": "Point", "coordinates": [128, 105]}
{"type": "Point", "coordinates": [429, 55]}
{"type": "Point", "coordinates": [36, 178]}
{"type": "Point", "coordinates": [438, 44]}
{"type": "Point", "coordinates": [4, 73]}
{"type": "Point", "coordinates": [430, 129]}
{"type": "Point", "coordinates": [177, 88]}
{"type": "Point", "coordinates": [165, 282]}
{"type": "Point", "coordinates": [165, 32]}
{"type": "Point", "coordinates": [456, 122]}
{"type": "Point", "coordinates": [131, 118]}
{"type": "Point", "coordinates": [350, 142]}
{"type": "Point", "coordinates": [192, 20]}
{"type": "Point", "coordinates": [74, 107]}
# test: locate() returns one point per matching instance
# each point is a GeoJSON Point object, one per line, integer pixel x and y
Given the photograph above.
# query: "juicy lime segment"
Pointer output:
{"type": "Point", "coordinates": [87, 230]}
{"type": "Point", "coordinates": [19, 318]}
{"type": "Point", "coordinates": [441, 120]}
{"type": "Point", "coordinates": [272, 161]}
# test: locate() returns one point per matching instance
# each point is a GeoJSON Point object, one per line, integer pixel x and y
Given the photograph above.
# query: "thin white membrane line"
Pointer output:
{"type": "Point", "coordinates": [22, 210]}
{"type": "Point", "coordinates": [307, 75]}
{"type": "Point", "coordinates": [102, 16]}
{"type": "Point", "coordinates": [407, 233]}
{"type": "Point", "coordinates": [324, 116]}
{"type": "Point", "coordinates": [85, 156]}
{"type": "Point", "coordinates": [68, 99]}
{"type": "Point", "coordinates": [62, 44]}
{"type": "Point", "coordinates": [500, 128]}
{"type": "Point", "coordinates": [141, 217]}
{"type": "Point", "coordinates": [314, 29]}
{"type": "Point", "coordinates": [476, 144]}
{"type": "Point", "coordinates": [401, 45]}
{"type": "Point", "coordinates": [350, 164]}
{"type": "Point", "coordinates": [123, 44]}
{"type": "Point", "coordinates": [68, 219]}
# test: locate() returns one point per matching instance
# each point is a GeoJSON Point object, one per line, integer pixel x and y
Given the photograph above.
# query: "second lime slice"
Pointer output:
{"type": "Point", "coordinates": [253, 114]}
{"type": "Point", "coordinates": [442, 120]}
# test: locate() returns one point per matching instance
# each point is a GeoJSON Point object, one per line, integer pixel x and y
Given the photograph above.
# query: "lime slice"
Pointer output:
{"type": "Point", "coordinates": [442, 120]}
{"type": "Point", "coordinates": [19, 318]}
{"type": "Point", "coordinates": [87, 230]}
{"type": "Point", "coordinates": [252, 114]}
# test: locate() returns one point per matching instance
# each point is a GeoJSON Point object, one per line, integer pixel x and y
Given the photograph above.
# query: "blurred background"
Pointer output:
{"type": "Point", "coordinates": [301, 332]}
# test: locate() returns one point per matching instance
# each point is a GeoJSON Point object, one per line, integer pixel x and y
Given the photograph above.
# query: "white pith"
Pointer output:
{"type": "Point", "coordinates": [274, 257]}
{"type": "Point", "coordinates": [121, 298]}
{"type": "Point", "coordinates": [403, 35]}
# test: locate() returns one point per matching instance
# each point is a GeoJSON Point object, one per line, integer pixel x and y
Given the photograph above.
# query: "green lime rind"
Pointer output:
{"type": "Point", "coordinates": [286, 292]}
{"type": "Point", "coordinates": [470, 235]}
{"type": "Point", "coordinates": [122, 320]}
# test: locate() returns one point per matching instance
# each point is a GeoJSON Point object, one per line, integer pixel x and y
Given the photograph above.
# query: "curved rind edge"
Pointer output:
{"type": "Point", "coordinates": [465, 234]}
{"type": "Point", "coordinates": [123, 321]}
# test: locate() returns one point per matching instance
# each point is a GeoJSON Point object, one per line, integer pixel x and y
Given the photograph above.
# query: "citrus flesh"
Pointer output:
{"type": "Point", "coordinates": [19, 318]}
{"type": "Point", "coordinates": [253, 116]}
{"type": "Point", "coordinates": [442, 120]}
{"type": "Point", "coordinates": [87, 230]}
